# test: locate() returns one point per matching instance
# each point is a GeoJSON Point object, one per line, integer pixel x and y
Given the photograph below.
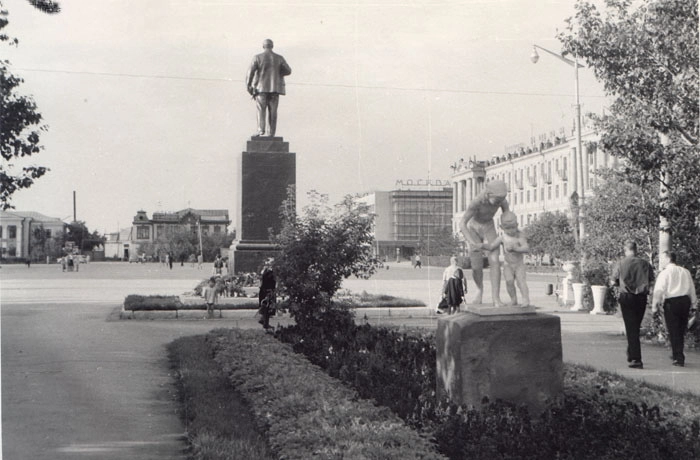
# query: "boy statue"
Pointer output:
{"type": "Point", "coordinates": [514, 246]}
{"type": "Point", "coordinates": [477, 227]}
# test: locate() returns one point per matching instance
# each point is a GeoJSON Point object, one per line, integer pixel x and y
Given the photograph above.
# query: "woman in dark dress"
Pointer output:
{"type": "Point", "coordinates": [266, 296]}
{"type": "Point", "coordinates": [454, 291]}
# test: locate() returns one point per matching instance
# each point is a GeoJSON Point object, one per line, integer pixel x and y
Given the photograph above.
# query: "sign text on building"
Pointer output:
{"type": "Point", "coordinates": [423, 182]}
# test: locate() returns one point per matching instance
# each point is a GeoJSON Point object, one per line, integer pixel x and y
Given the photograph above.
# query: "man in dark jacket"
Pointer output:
{"type": "Point", "coordinates": [635, 277]}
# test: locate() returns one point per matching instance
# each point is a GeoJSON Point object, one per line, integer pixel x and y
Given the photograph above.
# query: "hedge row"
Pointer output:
{"type": "Point", "coordinates": [601, 416]}
{"type": "Point", "coordinates": [306, 413]}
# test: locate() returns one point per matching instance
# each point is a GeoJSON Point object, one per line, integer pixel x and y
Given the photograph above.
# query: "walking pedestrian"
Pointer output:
{"type": "Point", "coordinates": [418, 262]}
{"type": "Point", "coordinates": [675, 292]}
{"type": "Point", "coordinates": [634, 276]}
{"type": "Point", "coordinates": [218, 265]}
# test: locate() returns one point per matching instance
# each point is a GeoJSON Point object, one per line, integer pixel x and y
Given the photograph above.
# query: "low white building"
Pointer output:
{"type": "Point", "coordinates": [118, 245]}
{"type": "Point", "coordinates": [17, 228]}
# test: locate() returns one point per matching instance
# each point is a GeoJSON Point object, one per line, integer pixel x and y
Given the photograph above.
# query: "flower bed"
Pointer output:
{"type": "Point", "coordinates": [173, 303]}
{"type": "Point", "coordinates": [602, 416]}
{"type": "Point", "coordinates": [306, 413]}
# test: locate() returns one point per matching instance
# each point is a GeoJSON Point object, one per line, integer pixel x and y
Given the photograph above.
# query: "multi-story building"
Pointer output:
{"type": "Point", "coordinates": [410, 215]}
{"type": "Point", "coordinates": [540, 178]}
{"type": "Point", "coordinates": [17, 228]}
{"type": "Point", "coordinates": [164, 223]}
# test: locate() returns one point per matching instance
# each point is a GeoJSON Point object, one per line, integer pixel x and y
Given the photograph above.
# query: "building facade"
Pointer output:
{"type": "Point", "coordinates": [539, 178]}
{"type": "Point", "coordinates": [163, 224]}
{"type": "Point", "coordinates": [408, 217]}
{"type": "Point", "coordinates": [17, 228]}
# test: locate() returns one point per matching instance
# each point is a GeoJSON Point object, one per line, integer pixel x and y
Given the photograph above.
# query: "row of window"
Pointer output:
{"type": "Point", "coordinates": [143, 232]}
{"type": "Point", "coordinates": [526, 197]}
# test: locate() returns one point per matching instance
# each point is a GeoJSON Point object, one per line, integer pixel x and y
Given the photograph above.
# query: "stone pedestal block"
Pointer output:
{"type": "Point", "coordinates": [513, 357]}
{"type": "Point", "coordinates": [265, 172]}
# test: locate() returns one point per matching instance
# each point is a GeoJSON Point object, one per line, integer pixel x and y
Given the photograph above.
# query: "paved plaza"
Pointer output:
{"type": "Point", "coordinates": [77, 382]}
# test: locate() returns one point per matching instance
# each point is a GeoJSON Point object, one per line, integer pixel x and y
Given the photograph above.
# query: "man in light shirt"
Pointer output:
{"type": "Point", "coordinates": [674, 289]}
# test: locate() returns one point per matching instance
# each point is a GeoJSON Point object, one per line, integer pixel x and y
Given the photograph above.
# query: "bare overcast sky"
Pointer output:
{"type": "Point", "coordinates": [147, 107]}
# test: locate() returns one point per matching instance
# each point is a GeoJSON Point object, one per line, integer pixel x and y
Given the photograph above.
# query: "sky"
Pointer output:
{"type": "Point", "coordinates": [147, 109]}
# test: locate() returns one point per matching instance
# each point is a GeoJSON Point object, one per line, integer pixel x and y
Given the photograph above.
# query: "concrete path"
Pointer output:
{"type": "Point", "coordinates": [77, 384]}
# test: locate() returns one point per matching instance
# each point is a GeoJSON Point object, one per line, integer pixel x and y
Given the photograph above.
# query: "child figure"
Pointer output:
{"type": "Point", "coordinates": [514, 246]}
{"type": "Point", "coordinates": [210, 296]}
{"type": "Point", "coordinates": [454, 291]}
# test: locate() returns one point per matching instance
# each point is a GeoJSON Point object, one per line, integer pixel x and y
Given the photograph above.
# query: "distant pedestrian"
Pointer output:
{"type": "Point", "coordinates": [64, 263]}
{"type": "Point", "coordinates": [218, 265]}
{"type": "Point", "coordinates": [675, 291]}
{"type": "Point", "coordinates": [169, 260]}
{"type": "Point", "coordinates": [210, 296]}
{"type": "Point", "coordinates": [418, 262]}
{"type": "Point", "coordinates": [454, 291]}
{"type": "Point", "coordinates": [634, 276]}
{"type": "Point", "coordinates": [200, 261]}
{"type": "Point", "coordinates": [266, 295]}
{"type": "Point", "coordinates": [29, 262]}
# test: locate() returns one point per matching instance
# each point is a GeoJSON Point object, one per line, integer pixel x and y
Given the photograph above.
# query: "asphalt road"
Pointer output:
{"type": "Point", "coordinates": [76, 384]}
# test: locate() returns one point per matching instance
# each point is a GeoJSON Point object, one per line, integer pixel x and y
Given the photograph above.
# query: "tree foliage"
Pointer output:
{"type": "Point", "coordinates": [623, 207]}
{"type": "Point", "coordinates": [182, 243]}
{"type": "Point", "coordinates": [646, 55]}
{"type": "Point", "coordinates": [442, 243]}
{"type": "Point", "coordinates": [42, 245]}
{"type": "Point", "coordinates": [552, 234]}
{"type": "Point", "coordinates": [20, 121]}
{"type": "Point", "coordinates": [319, 249]}
{"type": "Point", "coordinates": [82, 238]}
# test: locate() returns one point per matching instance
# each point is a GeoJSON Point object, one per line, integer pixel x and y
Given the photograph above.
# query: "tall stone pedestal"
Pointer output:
{"type": "Point", "coordinates": [265, 171]}
{"type": "Point", "coordinates": [516, 357]}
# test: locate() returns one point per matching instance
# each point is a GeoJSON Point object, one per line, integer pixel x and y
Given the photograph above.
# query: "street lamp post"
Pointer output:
{"type": "Point", "coordinates": [579, 157]}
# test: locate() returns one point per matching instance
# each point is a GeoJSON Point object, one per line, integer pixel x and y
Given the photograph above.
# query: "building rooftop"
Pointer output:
{"type": "Point", "coordinates": [37, 216]}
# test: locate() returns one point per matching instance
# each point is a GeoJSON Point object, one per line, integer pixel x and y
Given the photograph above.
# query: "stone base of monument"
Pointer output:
{"type": "Point", "coordinates": [249, 257]}
{"type": "Point", "coordinates": [513, 355]}
{"type": "Point", "coordinates": [266, 172]}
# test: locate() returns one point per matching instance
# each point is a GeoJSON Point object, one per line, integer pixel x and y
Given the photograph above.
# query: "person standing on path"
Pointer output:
{"type": "Point", "coordinates": [418, 262]}
{"type": "Point", "coordinates": [454, 291]}
{"type": "Point", "coordinates": [675, 291]}
{"type": "Point", "coordinates": [210, 296]}
{"type": "Point", "coordinates": [266, 295]}
{"type": "Point", "coordinates": [447, 274]}
{"type": "Point", "coordinates": [218, 265]}
{"type": "Point", "coordinates": [634, 276]}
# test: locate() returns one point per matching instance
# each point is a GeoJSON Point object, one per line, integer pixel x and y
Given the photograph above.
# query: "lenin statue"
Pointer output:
{"type": "Point", "coordinates": [265, 82]}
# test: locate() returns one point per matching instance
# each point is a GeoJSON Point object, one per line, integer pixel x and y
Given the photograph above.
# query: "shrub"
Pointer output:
{"type": "Point", "coordinates": [152, 302]}
{"type": "Point", "coordinates": [319, 249]}
{"type": "Point", "coordinates": [218, 422]}
{"type": "Point", "coordinates": [595, 419]}
{"type": "Point", "coordinates": [305, 413]}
